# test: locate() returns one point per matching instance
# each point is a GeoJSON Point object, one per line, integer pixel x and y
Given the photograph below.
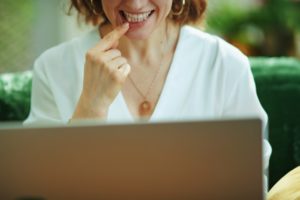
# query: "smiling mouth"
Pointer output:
{"type": "Point", "coordinates": [134, 18]}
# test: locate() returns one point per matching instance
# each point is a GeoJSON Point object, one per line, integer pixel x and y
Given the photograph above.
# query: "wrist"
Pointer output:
{"type": "Point", "coordinates": [88, 110]}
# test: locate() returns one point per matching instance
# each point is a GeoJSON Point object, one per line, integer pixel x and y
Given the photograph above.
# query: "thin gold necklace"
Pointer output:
{"type": "Point", "coordinates": [145, 107]}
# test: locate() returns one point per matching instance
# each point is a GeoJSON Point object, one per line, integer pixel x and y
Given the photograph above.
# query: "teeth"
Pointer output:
{"type": "Point", "coordinates": [136, 17]}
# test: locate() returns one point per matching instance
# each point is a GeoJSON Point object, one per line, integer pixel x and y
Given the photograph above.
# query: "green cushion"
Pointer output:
{"type": "Point", "coordinates": [278, 87]}
{"type": "Point", "coordinates": [15, 91]}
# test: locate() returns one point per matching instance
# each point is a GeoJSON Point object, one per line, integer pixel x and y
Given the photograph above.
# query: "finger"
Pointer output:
{"type": "Point", "coordinates": [125, 69]}
{"type": "Point", "coordinates": [115, 45]}
{"type": "Point", "coordinates": [122, 73]}
{"type": "Point", "coordinates": [110, 55]}
{"type": "Point", "coordinates": [112, 38]}
{"type": "Point", "coordinates": [116, 63]}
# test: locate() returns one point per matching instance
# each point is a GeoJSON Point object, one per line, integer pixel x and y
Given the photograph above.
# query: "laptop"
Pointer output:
{"type": "Point", "coordinates": [210, 160]}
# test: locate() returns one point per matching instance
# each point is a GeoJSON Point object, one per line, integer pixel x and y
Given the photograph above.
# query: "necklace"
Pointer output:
{"type": "Point", "coordinates": [145, 107]}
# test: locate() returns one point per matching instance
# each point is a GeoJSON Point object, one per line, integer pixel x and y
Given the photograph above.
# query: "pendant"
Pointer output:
{"type": "Point", "coordinates": [145, 108]}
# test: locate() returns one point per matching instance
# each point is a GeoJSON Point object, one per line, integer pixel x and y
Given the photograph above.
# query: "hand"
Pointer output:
{"type": "Point", "coordinates": [105, 72]}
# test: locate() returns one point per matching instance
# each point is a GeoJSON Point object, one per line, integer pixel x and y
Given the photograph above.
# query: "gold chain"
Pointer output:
{"type": "Point", "coordinates": [155, 76]}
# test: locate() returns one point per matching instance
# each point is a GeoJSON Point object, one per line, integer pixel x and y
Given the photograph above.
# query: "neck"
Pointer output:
{"type": "Point", "coordinates": [148, 49]}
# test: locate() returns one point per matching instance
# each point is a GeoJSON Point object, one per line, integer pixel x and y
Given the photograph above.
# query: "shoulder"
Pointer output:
{"type": "Point", "coordinates": [214, 50]}
{"type": "Point", "coordinates": [210, 42]}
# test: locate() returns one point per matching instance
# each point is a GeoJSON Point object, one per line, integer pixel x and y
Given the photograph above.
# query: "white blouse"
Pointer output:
{"type": "Point", "coordinates": [208, 79]}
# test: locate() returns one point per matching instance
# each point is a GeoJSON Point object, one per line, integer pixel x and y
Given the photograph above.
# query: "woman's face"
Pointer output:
{"type": "Point", "coordinates": [143, 16]}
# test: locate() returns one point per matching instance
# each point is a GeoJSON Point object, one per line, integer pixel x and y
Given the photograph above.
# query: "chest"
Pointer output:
{"type": "Point", "coordinates": [144, 86]}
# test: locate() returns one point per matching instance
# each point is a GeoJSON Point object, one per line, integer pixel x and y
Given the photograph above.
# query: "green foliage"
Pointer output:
{"type": "Point", "coordinates": [225, 19]}
{"type": "Point", "coordinates": [277, 14]}
{"type": "Point", "coordinates": [262, 29]}
{"type": "Point", "coordinates": [16, 20]}
{"type": "Point", "coordinates": [229, 18]}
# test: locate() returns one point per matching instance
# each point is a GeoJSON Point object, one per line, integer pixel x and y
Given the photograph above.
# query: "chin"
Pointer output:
{"type": "Point", "coordinates": [138, 35]}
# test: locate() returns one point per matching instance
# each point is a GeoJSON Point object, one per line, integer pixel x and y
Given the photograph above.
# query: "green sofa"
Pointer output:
{"type": "Point", "coordinates": [278, 87]}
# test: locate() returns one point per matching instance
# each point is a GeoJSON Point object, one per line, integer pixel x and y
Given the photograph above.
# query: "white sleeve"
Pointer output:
{"type": "Point", "coordinates": [243, 101]}
{"type": "Point", "coordinates": [43, 108]}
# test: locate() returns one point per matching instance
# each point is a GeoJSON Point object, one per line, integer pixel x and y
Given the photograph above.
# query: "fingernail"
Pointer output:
{"type": "Point", "coordinates": [125, 25]}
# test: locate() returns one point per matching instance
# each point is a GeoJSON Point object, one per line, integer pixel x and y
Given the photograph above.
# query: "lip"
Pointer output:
{"type": "Point", "coordinates": [136, 13]}
{"type": "Point", "coordinates": [134, 25]}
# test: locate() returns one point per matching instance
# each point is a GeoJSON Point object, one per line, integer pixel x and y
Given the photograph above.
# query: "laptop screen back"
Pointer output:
{"type": "Point", "coordinates": [184, 160]}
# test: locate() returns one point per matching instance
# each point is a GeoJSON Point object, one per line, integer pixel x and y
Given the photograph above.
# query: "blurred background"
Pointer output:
{"type": "Point", "coordinates": [29, 27]}
{"type": "Point", "coordinates": [257, 27]}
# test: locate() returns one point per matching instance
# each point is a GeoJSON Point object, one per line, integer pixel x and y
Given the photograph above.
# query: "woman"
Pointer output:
{"type": "Point", "coordinates": [155, 68]}
{"type": "Point", "coordinates": [143, 61]}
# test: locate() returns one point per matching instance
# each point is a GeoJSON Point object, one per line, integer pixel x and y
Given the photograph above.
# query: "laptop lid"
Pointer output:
{"type": "Point", "coordinates": [183, 160]}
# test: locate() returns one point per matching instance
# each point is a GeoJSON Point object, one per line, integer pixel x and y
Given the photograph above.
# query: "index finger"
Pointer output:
{"type": "Point", "coordinates": [111, 38]}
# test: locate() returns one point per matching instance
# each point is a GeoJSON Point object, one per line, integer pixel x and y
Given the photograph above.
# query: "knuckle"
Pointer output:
{"type": "Point", "coordinates": [94, 58]}
{"type": "Point", "coordinates": [114, 53]}
{"type": "Point", "coordinates": [117, 52]}
{"type": "Point", "coordinates": [121, 60]}
{"type": "Point", "coordinates": [89, 55]}
{"type": "Point", "coordinates": [99, 60]}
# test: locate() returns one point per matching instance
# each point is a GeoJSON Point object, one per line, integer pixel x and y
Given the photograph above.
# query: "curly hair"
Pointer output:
{"type": "Point", "coordinates": [193, 11]}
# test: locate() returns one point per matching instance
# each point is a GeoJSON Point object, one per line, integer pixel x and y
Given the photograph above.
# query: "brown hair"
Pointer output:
{"type": "Point", "coordinates": [92, 11]}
